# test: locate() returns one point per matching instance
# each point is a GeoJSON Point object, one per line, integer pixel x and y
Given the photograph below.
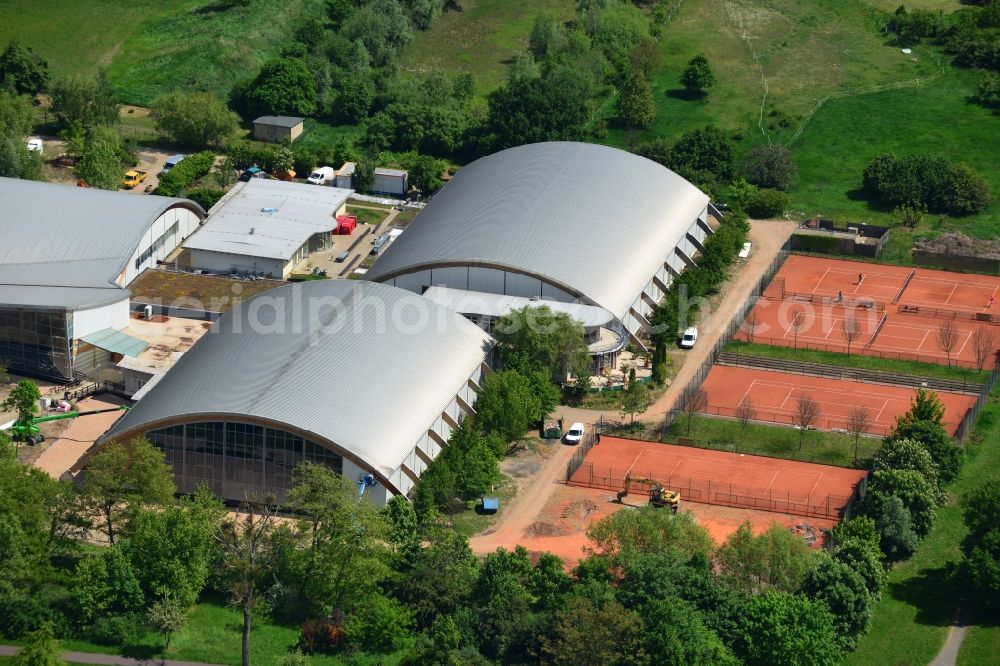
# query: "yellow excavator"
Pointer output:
{"type": "Point", "coordinates": [658, 495]}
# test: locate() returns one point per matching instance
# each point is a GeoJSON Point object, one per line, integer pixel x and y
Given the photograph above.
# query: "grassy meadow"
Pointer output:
{"type": "Point", "coordinates": [152, 46]}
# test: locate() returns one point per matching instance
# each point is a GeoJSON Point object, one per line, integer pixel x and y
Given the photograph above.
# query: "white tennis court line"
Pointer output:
{"type": "Point", "coordinates": [821, 280]}
{"type": "Point", "coordinates": [747, 392]}
{"type": "Point", "coordinates": [771, 482]}
{"type": "Point", "coordinates": [790, 392]}
{"type": "Point", "coordinates": [793, 386]}
{"type": "Point", "coordinates": [815, 485]}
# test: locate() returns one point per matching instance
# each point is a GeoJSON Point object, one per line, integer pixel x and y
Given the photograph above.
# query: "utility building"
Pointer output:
{"type": "Point", "coordinates": [266, 227]}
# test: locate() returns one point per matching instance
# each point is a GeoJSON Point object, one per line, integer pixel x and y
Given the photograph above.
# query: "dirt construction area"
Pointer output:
{"type": "Point", "coordinates": [550, 515]}
{"type": "Point", "coordinates": [774, 397]}
{"type": "Point", "coordinates": [720, 477]}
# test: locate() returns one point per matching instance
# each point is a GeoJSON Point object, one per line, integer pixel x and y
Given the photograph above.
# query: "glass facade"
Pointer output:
{"type": "Point", "coordinates": [233, 458]}
{"type": "Point", "coordinates": [37, 342]}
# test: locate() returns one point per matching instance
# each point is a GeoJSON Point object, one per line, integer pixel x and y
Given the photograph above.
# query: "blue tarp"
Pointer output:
{"type": "Point", "coordinates": [491, 504]}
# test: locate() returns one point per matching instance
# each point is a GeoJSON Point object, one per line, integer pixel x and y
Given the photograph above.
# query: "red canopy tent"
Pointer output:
{"type": "Point", "coordinates": [346, 224]}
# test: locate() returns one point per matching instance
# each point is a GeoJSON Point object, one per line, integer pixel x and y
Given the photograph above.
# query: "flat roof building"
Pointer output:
{"type": "Point", "coordinates": [67, 258]}
{"type": "Point", "coordinates": [362, 377]}
{"type": "Point", "coordinates": [276, 129]}
{"type": "Point", "coordinates": [556, 222]}
{"type": "Point", "coordinates": [266, 227]}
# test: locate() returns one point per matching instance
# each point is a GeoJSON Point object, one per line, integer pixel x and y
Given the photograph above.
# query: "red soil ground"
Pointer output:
{"type": "Point", "coordinates": [809, 290]}
{"type": "Point", "coordinates": [774, 396]}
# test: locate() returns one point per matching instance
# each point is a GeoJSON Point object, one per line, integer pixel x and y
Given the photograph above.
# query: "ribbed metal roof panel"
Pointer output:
{"type": "Point", "coordinates": [269, 218]}
{"type": "Point", "coordinates": [595, 219]}
{"type": "Point", "coordinates": [58, 236]}
{"type": "Point", "coordinates": [366, 366]}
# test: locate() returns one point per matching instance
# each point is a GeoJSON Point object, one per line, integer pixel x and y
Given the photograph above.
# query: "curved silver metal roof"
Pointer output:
{"type": "Point", "coordinates": [597, 220]}
{"type": "Point", "coordinates": [65, 246]}
{"type": "Point", "coordinates": [366, 366]}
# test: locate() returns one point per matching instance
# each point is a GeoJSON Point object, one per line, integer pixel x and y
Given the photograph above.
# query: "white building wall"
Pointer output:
{"type": "Point", "coordinates": [697, 232]}
{"type": "Point", "coordinates": [225, 262]}
{"type": "Point", "coordinates": [162, 237]}
{"type": "Point", "coordinates": [114, 316]}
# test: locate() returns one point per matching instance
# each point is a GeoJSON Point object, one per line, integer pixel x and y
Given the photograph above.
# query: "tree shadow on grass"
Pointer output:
{"type": "Point", "coordinates": [933, 592]}
{"type": "Point", "coordinates": [685, 94]}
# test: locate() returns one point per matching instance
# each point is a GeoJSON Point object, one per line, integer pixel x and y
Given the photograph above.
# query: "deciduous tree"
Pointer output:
{"type": "Point", "coordinates": [807, 412]}
{"type": "Point", "coordinates": [698, 76]}
{"type": "Point", "coordinates": [507, 405]}
{"type": "Point", "coordinates": [844, 592]}
{"type": "Point", "coordinates": [246, 543]}
{"type": "Point", "coordinates": [552, 341]}
{"type": "Point", "coordinates": [125, 476]}
{"type": "Point", "coordinates": [769, 166]}
{"type": "Point", "coordinates": [776, 559]}
{"type": "Point", "coordinates": [23, 69]}
{"type": "Point", "coordinates": [194, 119]}
{"type": "Point", "coordinates": [851, 328]}
{"type": "Point", "coordinates": [783, 628]}
{"type": "Point", "coordinates": [692, 401]}
{"type": "Point", "coordinates": [101, 164]}
{"type": "Point", "coordinates": [626, 534]}
{"type": "Point", "coordinates": [947, 338]}
{"type": "Point", "coordinates": [984, 345]}
{"type": "Point", "coordinates": [858, 421]}
{"type": "Point", "coordinates": [635, 102]}
{"type": "Point", "coordinates": [167, 616]}
{"type": "Point", "coordinates": [745, 413]}
{"type": "Point", "coordinates": [89, 102]}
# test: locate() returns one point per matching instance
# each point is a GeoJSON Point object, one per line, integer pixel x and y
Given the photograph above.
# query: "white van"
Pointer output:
{"type": "Point", "coordinates": [321, 176]}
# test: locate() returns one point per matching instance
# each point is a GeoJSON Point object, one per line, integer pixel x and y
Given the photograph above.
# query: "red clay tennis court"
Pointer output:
{"type": "Point", "coordinates": [774, 397]}
{"type": "Point", "coordinates": [716, 477]}
{"type": "Point", "coordinates": [888, 311]}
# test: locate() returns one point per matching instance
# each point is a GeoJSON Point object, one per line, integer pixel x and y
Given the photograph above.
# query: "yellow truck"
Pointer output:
{"type": "Point", "coordinates": [133, 178]}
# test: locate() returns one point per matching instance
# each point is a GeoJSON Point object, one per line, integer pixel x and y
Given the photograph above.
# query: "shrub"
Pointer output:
{"type": "Point", "coordinates": [189, 170]}
{"type": "Point", "coordinates": [767, 202]}
{"type": "Point", "coordinates": [320, 636]}
{"type": "Point", "coordinates": [117, 629]}
{"type": "Point", "coordinates": [926, 181]}
{"type": "Point", "coordinates": [206, 197]}
{"type": "Point", "coordinates": [769, 166]}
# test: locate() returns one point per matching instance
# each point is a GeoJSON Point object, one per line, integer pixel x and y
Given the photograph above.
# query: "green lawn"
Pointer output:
{"type": "Point", "coordinates": [480, 39]}
{"type": "Point", "coordinates": [839, 360]}
{"type": "Point", "coordinates": [367, 215]}
{"type": "Point", "coordinates": [470, 520]}
{"type": "Point", "coordinates": [151, 46]}
{"type": "Point", "coordinates": [936, 118]}
{"type": "Point", "coordinates": [212, 634]}
{"type": "Point", "coordinates": [981, 646]}
{"type": "Point", "coordinates": [828, 448]}
{"type": "Point", "coordinates": [910, 623]}
{"type": "Point", "coordinates": [808, 50]}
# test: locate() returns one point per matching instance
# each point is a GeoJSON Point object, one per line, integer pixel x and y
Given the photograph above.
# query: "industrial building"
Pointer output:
{"type": "Point", "coordinates": [266, 227]}
{"type": "Point", "coordinates": [554, 223]}
{"type": "Point", "coordinates": [67, 258]}
{"type": "Point", "coordinates": [362, 377]}
{"type": "Point", "coordinates": [276, 129]}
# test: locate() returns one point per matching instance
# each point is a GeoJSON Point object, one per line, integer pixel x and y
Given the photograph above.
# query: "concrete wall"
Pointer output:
{"type": "Point", "coordinates": [162, 237]}
{"type": "Point", "coordinates": [114, 316]}
{"type": "Point", "coordinates": [225, 262]}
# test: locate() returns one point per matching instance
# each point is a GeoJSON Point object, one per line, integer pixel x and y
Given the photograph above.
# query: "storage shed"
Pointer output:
{"type": "Point", "coordinates": [276, 129]}
{"type": "Point", "coordinates": [391, 181]}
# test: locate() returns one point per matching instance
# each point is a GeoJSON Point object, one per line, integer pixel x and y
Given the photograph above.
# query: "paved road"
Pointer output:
{"type": "Point", "coordinates": [948, 655]}
{"type": "Point", "coordinates": [108, 659]}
